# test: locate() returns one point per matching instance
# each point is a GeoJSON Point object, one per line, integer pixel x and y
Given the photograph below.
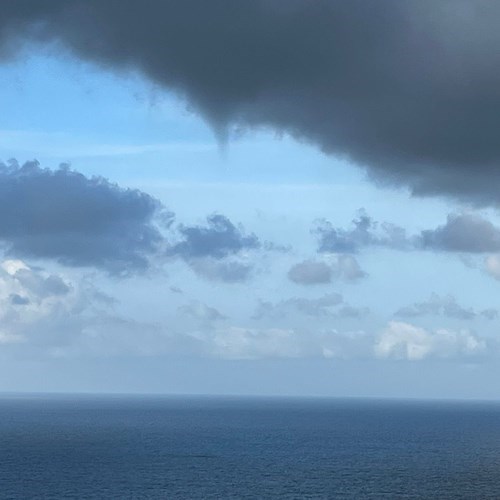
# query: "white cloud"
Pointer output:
{"type": "Point", "coordinates": [492, 266]}
{"type": "Point", "coordinates": [10, 338]}
{"type": "Point", "coordinates": [52, 315]}
{"type": "Point", "coordinates": [11, 266]}
{"type": "Point", "coordinates": [250, 343]}
{"type": "Point", "coordinates": [405, 341]}
{"type": "Point", "coordinates": [202, 312]}
{"type": "Point", "coordinates": [245, 343]}
{"type": "Point", "coordinates": [43, 310]}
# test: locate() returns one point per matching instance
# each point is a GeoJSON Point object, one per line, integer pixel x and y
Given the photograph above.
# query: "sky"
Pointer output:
{"type": "Point", "coordinates": [265, 198]}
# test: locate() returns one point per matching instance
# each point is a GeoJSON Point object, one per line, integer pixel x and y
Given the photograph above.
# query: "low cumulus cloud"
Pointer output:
{"type": "Point", "coordinates": [64, 216]}
{"type": "Point", "coordinates": [347, 311]}
{"type": "Point", "coordinates": [226, 271]}
{"type": "Point", "coordinates": [45, 311]}
{"type": "Point", "coordinates": [51, 315]}
{"type": "Point", "coordinates": [467, 233]}
{"type": "Point", "coordinates": [398, 341]}
{"type": "Point", "coordinates": [217, 251]}
{"type": "Point", "coordinates": [328, 305]}
{"type": "Point", "coordinates": [257, 343]}
{"type": "Point", "coordinates": [444, 306]}
{"type": "Point", "coordinates": [201, 312]}
{"type": "Point", "coordinates": [346, 268]}
{"type": "Point", "coordinates": [311, 272]}
{"type": "Point", "coordinates": [321, 306]}
{"type": "Point", "coordinates": [218, 239]}
{"type": "Point", "coordinates": [46, 314]}
{"type": "Point", "coordinates": [492, 266]}
{"type": "Point", "coordinates": [408, 342]}
{"type": "Point", "coordinates": [462, 233]}
{"type": "Point", "coordinates": [387, 84]}
{"type": "Point", "coordinates": [363, 233]}
{"type": "Point", "coordinates": [76, 220]}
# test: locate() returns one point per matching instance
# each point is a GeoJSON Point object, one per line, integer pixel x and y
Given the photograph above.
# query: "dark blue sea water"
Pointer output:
{"type": "Point", "coordinates": [189, 448]}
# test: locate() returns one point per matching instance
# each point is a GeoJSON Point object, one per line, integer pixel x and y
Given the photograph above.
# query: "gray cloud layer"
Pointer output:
{"type": "Point", "coordinates": [409, 89]}
{"type": "Point", "coordinates": [462, 233]}
{"type": "Point", "coordinates": [329, 305]}
{"type": "Point", "coordinates": [227, 271]}
{"type": "Point", "coordinates": [219, 239]}
{"type": "Point", "coordinates": [364, 232]}
{"type": "Point", "coordinates": [67, 217]}
{"type": "Point", "coordinates": [214, 251]}
{"type": "Point", "coordinates": [79, 221]}
{"type": "Point", "coordinates": [322, 306]}
{"type": "Point", "coordinates": [76, 220]}
{"type": "Point", "coordinates": [445, 306]}
{"type": "Point", "coordinates": [311, 272]}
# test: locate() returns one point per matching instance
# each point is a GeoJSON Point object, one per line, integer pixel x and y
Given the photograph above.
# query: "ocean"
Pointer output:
{"type": "Point", "coordinates": [133, 447]}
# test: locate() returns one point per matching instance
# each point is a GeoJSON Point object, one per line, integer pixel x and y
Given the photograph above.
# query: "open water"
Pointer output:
{"type": "Point", "coordinates": [56, 447]}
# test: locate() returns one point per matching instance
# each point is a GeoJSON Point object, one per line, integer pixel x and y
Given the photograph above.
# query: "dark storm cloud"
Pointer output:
{"type": "Point", "coordinates": [406, 88]}
{"type": "Point", "coordinates": [78, 221]}
{"type": "Point", "coordinates": [220, 238]}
